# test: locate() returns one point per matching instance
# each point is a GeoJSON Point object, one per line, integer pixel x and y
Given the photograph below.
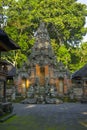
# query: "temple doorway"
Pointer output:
{"type": "Point", "coordinates": [61, 86]}
{"type": "Point", "coordinates": [42, 76]}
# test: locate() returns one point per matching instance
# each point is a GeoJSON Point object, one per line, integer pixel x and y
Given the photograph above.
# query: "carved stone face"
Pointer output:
{"type": "Point", "coordinates": [46, 44]}
{"type": "Point", "coordinates": [40, 45]}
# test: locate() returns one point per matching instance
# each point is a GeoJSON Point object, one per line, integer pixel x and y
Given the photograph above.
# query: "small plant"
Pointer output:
{"type": "Point", "coordinates": [19, 99]}
{"type": "Point", "coordinates": [68, 99]}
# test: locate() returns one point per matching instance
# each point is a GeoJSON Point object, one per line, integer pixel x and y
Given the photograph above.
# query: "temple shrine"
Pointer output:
{"type": "Point", "coordinates": [79, 83]}
{"type": "Point", "coordinates": [42, 78]}
{"type": "Point", "coordinates": [6, 44]}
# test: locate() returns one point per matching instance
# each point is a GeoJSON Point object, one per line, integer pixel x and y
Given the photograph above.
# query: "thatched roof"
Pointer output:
{"type": "Point", "coordinates": [6, 43]}
{"type": "Point", "coordinates": [80, 73]}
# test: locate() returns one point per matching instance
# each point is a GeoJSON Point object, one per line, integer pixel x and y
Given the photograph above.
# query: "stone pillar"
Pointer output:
{"type": "Point", "coordinates": [32, 72]}
{"type": "Point", "coordinates": [51, 72]}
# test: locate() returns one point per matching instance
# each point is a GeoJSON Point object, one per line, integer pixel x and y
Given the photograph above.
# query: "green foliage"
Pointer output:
{"type": "Point", "coordinates": [83, 53]}
{"type": "Point", "coordinates": [63, 55]}
{"type": "Point", "coordinates": [67, 99]}
{"type": "Point", "coordinates": [65, 20]}
{"type": "Point", "coordinates": [18, 99]}
{"type": "Point", "coordinates": [78, 57]}
{"type": "Point", "coordinates": [15, 57]}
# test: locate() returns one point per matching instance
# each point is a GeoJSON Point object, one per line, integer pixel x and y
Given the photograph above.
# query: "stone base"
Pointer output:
{"type": "Point", "coordinates": [84, 99]}
{"type": "Point", "coordinates": [42, 101]}
{"type": "Point", "coordinates": [29, 101]}
{"type": "Point", "coordinates": [53, 101]}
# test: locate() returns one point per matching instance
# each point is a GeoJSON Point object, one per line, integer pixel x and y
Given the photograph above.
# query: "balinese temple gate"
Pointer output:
{"type": "Point", "coordinates": [42, 79]}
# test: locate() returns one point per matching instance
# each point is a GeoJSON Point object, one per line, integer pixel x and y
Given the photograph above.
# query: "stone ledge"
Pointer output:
{"type": "Point", "coordinates": [7, 117]}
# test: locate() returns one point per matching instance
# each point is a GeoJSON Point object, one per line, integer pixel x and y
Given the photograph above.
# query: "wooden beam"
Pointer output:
{"type": "Point", "coordinates": [3, 47]}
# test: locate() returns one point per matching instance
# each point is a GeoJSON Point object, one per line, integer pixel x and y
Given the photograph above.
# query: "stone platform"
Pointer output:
{"type": "Point", "coordinates": [41, 100]}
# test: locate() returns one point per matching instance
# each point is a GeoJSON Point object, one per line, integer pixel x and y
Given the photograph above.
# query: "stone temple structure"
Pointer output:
{"type": "Point", "coordinates": [42, 79]}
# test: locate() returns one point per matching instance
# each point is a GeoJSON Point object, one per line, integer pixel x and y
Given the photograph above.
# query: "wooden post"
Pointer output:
{"type": "Point", "coordinates": [0, 54]}
{"type": "Point", "coordinates": [4, 92]}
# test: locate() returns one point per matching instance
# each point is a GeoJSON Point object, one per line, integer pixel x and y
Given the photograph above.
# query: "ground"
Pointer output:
{"type": "Point", "coordinates": [66, 116]}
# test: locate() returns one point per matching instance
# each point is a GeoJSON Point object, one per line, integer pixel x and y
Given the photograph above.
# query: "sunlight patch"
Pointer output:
{"type": "Point", "coordinates": [84, 113]}
{"type": "Point", "coordinates": [30, 106]}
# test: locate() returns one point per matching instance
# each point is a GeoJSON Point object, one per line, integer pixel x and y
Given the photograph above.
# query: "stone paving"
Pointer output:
{"type": "Point", "coordinates": [66, 116]}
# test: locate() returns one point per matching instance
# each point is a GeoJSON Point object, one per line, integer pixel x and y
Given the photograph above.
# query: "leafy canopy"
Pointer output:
{"type": "Point", "coordinates": [65, 20]}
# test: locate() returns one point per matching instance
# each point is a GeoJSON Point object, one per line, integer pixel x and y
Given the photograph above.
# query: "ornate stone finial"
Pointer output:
{"type": "Point", "coordinates": [42, 34]}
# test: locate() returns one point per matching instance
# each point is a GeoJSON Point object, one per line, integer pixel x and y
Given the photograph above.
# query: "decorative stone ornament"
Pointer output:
{"type": "Point", "coordinates": [44, 69]}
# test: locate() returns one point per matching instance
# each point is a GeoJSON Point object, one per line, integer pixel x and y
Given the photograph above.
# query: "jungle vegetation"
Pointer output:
{"type": "Point", "coordinates": [65, 21]}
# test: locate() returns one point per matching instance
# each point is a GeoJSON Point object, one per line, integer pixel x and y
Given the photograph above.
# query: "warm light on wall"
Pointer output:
{"type": "Point", "coordinates": [27, 83]}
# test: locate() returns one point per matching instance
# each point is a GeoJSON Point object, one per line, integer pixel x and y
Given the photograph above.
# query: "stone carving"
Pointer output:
{"type": "Point", "coordinates": [43, 57]}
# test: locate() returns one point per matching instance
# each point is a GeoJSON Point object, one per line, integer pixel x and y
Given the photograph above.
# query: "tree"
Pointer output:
{"type": "Point", "coordinates": [75, 59]}
{"type": "Point", "coordinates": [78, 57]}
{"type": "Point", "coordinates": [65, 20]}
{"type": "Point", "coordinates": [83, 53]}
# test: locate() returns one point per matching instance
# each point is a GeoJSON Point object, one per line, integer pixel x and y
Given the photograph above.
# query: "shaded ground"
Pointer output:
{"type": "Point", "coordinates": [67, 116]}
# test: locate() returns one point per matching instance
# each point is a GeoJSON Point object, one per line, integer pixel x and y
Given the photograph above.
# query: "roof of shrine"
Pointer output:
{"type": "Point", "coordinates": [6, 43]}
{"type": "Point", "coordinates": [81, 73]}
